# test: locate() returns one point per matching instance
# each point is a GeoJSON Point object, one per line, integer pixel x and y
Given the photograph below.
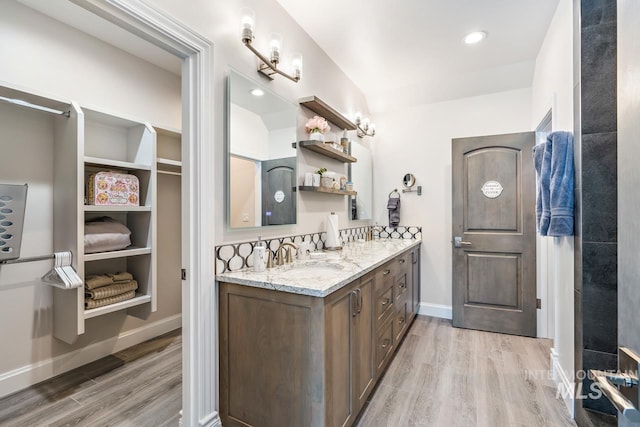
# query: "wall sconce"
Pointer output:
{"type": "Point", "coordinates": [268, 67]}
{"type": "Point", "coordinates": [364, 127]}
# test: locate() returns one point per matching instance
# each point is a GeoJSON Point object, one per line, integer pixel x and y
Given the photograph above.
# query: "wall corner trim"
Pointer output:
{"type": "Point", "coordinates": [28, 375]}
{"type": "Point", "coordinates": [565, 388]}
{"type": "Point", "coordinates": [436, 310]}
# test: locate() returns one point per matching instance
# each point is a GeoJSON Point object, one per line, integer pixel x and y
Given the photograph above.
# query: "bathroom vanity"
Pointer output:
{"type": "Point", "coordinates": [305, 343]}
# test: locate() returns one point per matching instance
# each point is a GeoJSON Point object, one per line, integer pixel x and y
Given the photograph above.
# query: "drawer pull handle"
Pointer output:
{"type": "Point", "coordinates": [386, 301]}
{"type": "Point", "coordinates": [385, 343]}
{"type": "Point", "coordinates": [386, 272]}
{"type": "Point", "coordinates": [403, 285]}
{"type": "Point", "coordinates": [402, 261]}
{"type": "Point", "coordinates": [401, 320]}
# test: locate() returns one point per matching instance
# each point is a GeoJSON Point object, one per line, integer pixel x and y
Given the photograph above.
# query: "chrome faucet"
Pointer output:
{"type": "Point", "coordinates": [369, 236]}
{"type": "Point", "coordinates": [283, 252]}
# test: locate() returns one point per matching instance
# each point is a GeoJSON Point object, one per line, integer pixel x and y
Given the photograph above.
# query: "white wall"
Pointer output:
{"type": "Point", "coordinates": [250, 135]}
{"type": "Point", "coordinates": [40, 54]}
{"type": "Point", "coordinates": [418, 140]}
{"type": "Point", "coordinates": [219, 21]}
{"type": "Point", "coordinates": [553, 89]}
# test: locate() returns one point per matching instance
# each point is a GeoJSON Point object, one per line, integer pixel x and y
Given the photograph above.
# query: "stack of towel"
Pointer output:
{"type": "Point", "coordinates": [108, 289]}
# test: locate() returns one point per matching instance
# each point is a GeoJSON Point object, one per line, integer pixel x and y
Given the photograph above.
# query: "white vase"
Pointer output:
{"type": "Point", "coordinates": [316, 136]}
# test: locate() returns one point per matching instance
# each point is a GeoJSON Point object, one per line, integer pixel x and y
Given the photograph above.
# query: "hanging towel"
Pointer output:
{"type": "Point", "coordinates": [561, 185]}
{"type": "Point", "coordinates": [553, 161]}
{"type": "Point", "coordinates": [542, 164]}
{"type": "Point", "coordinates": [393, 205]}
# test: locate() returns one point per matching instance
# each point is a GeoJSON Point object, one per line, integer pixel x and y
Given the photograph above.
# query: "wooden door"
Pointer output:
{"type": "Point", "coordinates": [415, 281]}
{"type": "Point", "coordinates": [339, 370]}
{"type": "Point", "coordinates": [278, 191]}
{"type": "Point", "coordinates": [363, 364]}
{"type": "Point", "coordinates": [494, 248]}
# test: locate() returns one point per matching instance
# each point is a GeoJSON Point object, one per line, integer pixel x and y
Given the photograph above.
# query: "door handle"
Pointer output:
{"type": "Point", "coordinates": [358, 300]}
{"type": "Point", "coordinates": [458, 242]}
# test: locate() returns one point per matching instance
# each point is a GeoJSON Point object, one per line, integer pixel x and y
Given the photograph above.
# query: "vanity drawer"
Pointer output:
{"type": "Point", "coordinates": [401, 319]}
{"type": "Point", "coordinates": [384, 306]}
{"type": "Point", "coordinates": [401, 286]}
{"type": "Point", "coordinates": [384, 347]}
{"type": "Point", "coordinates": [385, 277]}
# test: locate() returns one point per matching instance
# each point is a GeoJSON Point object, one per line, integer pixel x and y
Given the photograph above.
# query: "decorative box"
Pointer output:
{"type": "Point", "coordinates": [113, 189]}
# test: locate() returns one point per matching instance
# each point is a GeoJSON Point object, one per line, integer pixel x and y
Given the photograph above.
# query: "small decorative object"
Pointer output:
{"type": "Point", "coordinates": [316, 126]}
{"type": "Point", "coordinates": [316, 179]}
{"type": "Point", "coordinates": [343, 182]}
{"type": "Point", "coordinates": [344, 142]}
{"type": "Point", "coordinates": [349, 186]}
{"type": "Point", "coordinates": [308, 179]}
{"type": "Point", "coordinates": [326, 181]}
{"type": "Point", "coordinates": [335, 185]}
{"type": "Point", "coordinates": [113, 189]}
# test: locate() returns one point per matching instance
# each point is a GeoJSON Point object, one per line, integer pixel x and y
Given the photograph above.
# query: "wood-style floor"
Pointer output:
{"type": "Point", "coordinates": [441, 376]}
{"type": "Point", "coordinates": [140, 386]}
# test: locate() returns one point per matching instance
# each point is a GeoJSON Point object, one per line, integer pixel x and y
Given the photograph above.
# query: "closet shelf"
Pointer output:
{"type": "Point", "coordinates": [117, 254]}
{"type": "Point", "coordinates": [139, 299]}
{"type": "Point", "coordinates": [327, 190]}
{"type": "Point", "coordinates": [100, 162]}
{"type": "Point", "coordinates": [169, 162]}
{"type": "Point", "coordinates": [98, 208]}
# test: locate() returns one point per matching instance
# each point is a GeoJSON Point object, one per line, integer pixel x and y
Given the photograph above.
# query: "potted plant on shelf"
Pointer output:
{"type": "Point", "coordinates": [316, 126]}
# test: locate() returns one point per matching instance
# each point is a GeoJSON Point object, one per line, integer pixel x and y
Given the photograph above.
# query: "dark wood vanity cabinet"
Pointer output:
{"type": "Point", "coordinates": [289, 359]}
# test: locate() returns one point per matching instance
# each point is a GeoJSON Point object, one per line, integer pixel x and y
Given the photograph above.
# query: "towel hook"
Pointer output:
{"type": "Point", "coordinates": [395, 190]}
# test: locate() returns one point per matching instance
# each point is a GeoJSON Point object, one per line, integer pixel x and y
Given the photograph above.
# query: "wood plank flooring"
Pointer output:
{"type": "Point", "coordinates": [140, 386]}
{"type": "Point", "coordinates": [443, 376]}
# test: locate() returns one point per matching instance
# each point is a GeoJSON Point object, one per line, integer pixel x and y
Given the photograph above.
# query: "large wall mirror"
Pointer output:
{"type": "Point", "coordinates": [261, 168]}
{"type": "Point", "coordinates": [361, 174]}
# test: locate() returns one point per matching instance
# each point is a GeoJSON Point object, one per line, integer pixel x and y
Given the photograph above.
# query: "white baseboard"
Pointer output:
{"type": "Point", "coordinates": [559, 376]}
{"type": "Point", "coordinates": [28, 375]}
{"type": "Point", "coordinates": [211, 420]}
{"type": "Point", "coordinates": [435, 310]}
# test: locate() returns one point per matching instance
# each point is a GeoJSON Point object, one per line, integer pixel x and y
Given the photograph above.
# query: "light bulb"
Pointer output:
{"type": "Point", "coordinates": [247, 23]}
{"type": "Point", "coordinates": [296, 65]}
{"type": "Point", "coordinates": [275, 45]}
{"type": "Point", "coordinates": [358, 118]}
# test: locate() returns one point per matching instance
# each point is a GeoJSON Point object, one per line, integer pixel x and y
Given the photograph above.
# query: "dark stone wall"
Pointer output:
{"type": "Point", "coordinates": [595, 96]}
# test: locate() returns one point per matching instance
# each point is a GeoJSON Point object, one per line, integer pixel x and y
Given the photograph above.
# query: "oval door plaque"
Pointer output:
{"type": "Point", "coordinates": [492, 189]}
{"type": "Point", "coordinates": [279, 196]}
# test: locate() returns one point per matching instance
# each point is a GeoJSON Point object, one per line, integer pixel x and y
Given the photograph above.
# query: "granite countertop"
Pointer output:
{"type": "Point", "coordinates": [321, 277]}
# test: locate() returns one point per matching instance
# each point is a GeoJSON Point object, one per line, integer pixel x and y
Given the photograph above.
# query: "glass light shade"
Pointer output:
{"type": "Point", "coordinates": [358, 118]}
{"type": "Point", "coordinates": [275, 46]}
{"type": "Point", "coordinates": [247, 23]}
{"type": "Point", "coordinates": [296, 65]}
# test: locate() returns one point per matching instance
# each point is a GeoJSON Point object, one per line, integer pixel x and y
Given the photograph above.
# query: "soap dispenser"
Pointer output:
{"type": "Point", "coordinates": [259, 257]}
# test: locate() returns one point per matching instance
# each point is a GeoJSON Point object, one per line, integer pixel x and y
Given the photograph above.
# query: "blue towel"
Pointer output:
{"type": "Point", "coordinates": [393, 205]}
{"type": "Point", "coordinates": [553, 161]}
{"type": "Point", "coordinates": [542, 156]}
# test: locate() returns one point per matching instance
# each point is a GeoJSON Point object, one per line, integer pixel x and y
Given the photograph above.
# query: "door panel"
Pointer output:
{"type": "Point", "coordinates": [363, 342]}
{"type": "Point", "coordinates": [339, 363]}
{"type": "Point", "coordinates": [494, 283]}
{"type": "Point", "coordinates": [278, 191]}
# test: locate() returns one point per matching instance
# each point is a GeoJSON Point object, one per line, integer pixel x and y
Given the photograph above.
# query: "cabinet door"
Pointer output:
{"type": "Point", "coordinates": [363, 338]}
{"type": "Point", "coordinates": [340, 318]}
{"type": "Point", "coordinates": [415, 281]}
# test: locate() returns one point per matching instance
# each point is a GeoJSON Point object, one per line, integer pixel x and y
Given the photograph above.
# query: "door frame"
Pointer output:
{"type": "Point", "coordinates": [199, 297]}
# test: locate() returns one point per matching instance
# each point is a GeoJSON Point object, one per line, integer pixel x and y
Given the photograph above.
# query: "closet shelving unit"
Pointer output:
{"type": "Point", "coordinates": [169, 143]}
{"type": "Point", "coordinates": [94, 141]}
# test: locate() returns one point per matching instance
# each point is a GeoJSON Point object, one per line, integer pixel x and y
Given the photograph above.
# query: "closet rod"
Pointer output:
{"type": "Point", "coordinates": [34, 106]}
{"type": "Point", "coordinates": [29, 259]}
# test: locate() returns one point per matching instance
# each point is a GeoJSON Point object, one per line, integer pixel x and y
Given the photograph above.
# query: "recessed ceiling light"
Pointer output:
{"type": "Point", "coordinates": [256, 92]}
{"type": "Point", "coordinates": [475, 37]}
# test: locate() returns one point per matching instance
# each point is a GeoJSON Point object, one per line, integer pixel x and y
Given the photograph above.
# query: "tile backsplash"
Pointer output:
{"type": "Point", "coordinates": [236, 256]}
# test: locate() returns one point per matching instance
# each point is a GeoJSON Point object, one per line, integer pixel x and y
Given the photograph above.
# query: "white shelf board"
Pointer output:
{"type": "Point", "coordinates": [139, 299]}
{"type": "Point", "coordinates": [98, 208]}
{"type": "Point", "coordinates": [169, 162]}
{"type": "Point", "coordinates": [98, 161]}
{"type": "Point", "coordinates": [117, 254]}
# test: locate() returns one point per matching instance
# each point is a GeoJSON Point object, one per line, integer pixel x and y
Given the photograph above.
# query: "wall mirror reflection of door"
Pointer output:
{"type": "Point", "coordinates": [261, 163]}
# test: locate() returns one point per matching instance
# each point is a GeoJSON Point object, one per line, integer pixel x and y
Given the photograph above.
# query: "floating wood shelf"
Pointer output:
{"type": "Point", "coordinates": [327, 190]}
{"type": "Point", "coordinates": [323, 109]}
{"type": "Point", "coordinates": [326, 150]}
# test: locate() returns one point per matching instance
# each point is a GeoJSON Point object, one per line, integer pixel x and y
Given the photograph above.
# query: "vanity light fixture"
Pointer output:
{"type": "Point", "coordinates": [475, 37]}
{"type": "Point", "coordinates": [268, 67]}
{"type": "Point", "coordinates": [364, 127]}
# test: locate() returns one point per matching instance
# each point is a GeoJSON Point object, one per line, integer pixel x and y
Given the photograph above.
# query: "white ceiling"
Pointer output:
{"type": "Point", "coordinates": [401, 53]}
{"type": "Point", "coordinates": [409, 52]}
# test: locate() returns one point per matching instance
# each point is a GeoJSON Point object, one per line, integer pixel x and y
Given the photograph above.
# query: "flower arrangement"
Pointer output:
{"type": "Point", "coordinates": [317, 124]}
